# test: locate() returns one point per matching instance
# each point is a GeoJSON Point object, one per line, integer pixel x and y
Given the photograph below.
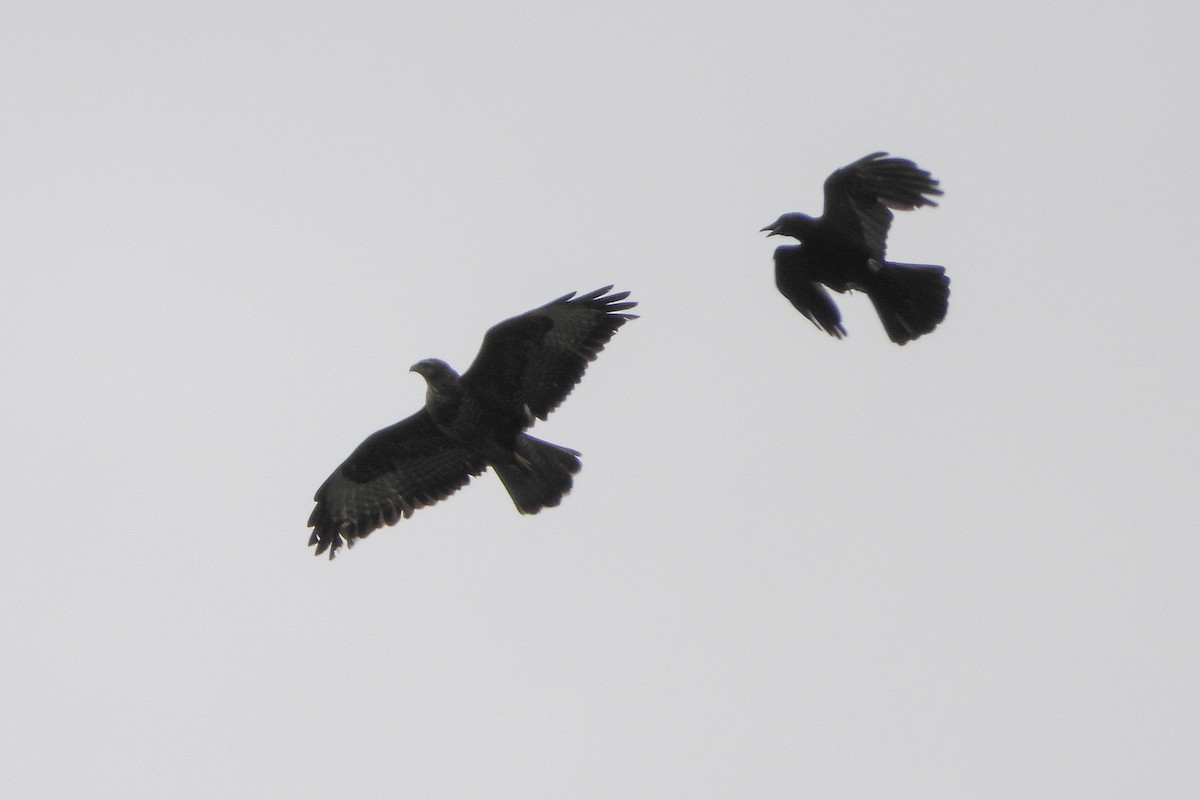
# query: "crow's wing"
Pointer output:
{"type": "Point", "coordinates": [392, 473]}
{"type": "Point", "coordinates": [809, 297]}
{"type": "Point", "coordinates": [860, 197]}
{"type": "Point", "coordinates": [535, 359]}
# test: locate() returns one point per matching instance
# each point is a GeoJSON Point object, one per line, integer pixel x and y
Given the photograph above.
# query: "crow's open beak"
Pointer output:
{"type": "Point", "coordinates": [770, 228]}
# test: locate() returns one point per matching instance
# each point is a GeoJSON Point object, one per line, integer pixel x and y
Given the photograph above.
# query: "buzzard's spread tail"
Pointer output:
{"type": "Point", "coordinates": [542, 475]}
{"type": "Point", "coordinates": [911, 299]}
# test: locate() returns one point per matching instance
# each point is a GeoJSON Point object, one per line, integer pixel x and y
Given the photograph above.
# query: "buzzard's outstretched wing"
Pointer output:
{"type": "Point", "coordinates": [809, 297]}
{"type": "Point", "coordinates": [534, 360]}
{"type": "Point", "coordinates": [395, 471]}
{"type": "Point", "coordinates": [859, 197]}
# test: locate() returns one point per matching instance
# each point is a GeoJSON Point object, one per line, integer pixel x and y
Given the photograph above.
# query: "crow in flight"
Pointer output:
{"type": "Point", "coordinates": [525, 368]}
{"type": "Point", "coordinates": [844, 249]}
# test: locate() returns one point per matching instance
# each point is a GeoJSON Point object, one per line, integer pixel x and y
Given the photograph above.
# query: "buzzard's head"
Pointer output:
{"type": "Point", "coordinates": [443, 391]}
{"type": "Point", "coordinates": [437, 373]}
{"type": "Point", "coordinates": [794, 225]}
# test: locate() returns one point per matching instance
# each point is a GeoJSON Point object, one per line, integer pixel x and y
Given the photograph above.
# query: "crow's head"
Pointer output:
{"type": "Point", "coordinates": [794, 225]}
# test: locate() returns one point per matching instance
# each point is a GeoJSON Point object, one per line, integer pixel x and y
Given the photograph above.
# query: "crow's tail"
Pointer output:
{"type": "Point", "coordinates": [540, 476]}
{"type": "Point", "coordinates": [911, 299]}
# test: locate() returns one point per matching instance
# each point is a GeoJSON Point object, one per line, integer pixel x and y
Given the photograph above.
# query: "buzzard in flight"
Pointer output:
{"type": "Point", "coordinates": [844, 249]}
{"type": "Point", "coordinates": [525, 368]}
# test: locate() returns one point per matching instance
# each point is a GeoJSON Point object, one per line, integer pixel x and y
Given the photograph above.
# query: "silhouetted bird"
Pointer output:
{"type": "Point", "coordinates": [844, 249]}
{"type": "Point", "coordinates": [524, 370]}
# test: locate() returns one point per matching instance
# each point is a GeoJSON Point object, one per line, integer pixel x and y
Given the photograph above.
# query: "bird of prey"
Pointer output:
{"type": "Point", "coordinates": [525, 368]}
{"type": "Point", "coordinates": [844, 249]}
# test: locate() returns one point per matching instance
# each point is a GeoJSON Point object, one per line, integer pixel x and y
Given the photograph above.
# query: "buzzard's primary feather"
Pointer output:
{"type": "Point", "coordinates": [845, 247]}
{"type": "Point", "coordinates": [525, 368]}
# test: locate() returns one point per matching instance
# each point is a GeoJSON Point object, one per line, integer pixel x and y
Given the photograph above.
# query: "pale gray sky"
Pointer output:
{"type": "Point", "coordinates": [791, 566]}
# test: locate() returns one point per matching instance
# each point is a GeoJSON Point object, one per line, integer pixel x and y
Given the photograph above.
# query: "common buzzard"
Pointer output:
{"type": "Point", "coordinates": [525, 368]}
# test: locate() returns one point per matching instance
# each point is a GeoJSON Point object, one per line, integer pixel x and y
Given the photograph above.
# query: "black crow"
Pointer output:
{"type": "Point", "coordinates": [844, 249]}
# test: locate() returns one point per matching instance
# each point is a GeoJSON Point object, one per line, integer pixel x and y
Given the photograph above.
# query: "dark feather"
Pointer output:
{"type": "Point", "coordinates": [395, 471]}
{"type": "Point", "coordinates": [859, 197]}
{"type": "Point", "coordinates": [809, 298]}
{"type": "Point", "coordinates": [540, 375]}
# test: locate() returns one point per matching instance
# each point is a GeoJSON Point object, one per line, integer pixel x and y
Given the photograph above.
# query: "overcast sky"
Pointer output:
{"type": "Point", "coordinates": [791, 566]}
